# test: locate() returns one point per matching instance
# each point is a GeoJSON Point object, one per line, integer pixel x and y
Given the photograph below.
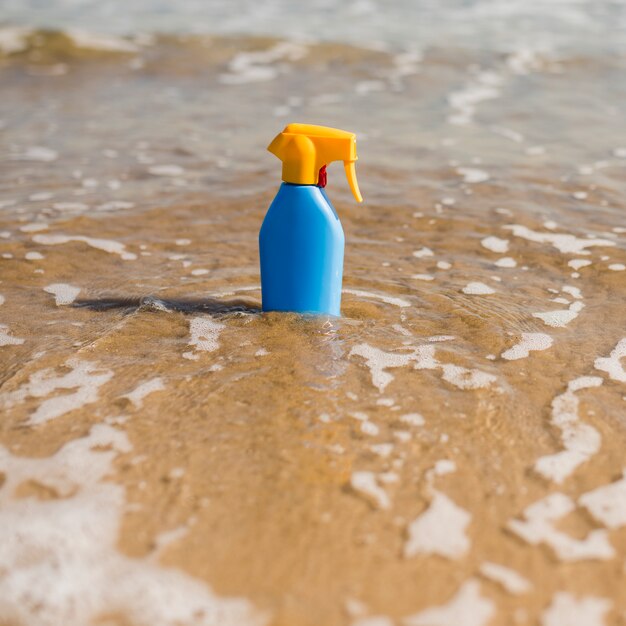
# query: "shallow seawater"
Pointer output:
{"type": "Point", "coordinates": [449, 452]}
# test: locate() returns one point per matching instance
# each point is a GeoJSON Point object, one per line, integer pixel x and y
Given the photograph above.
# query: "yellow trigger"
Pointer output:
{"type": "Point", "coordinates": [305, 149]}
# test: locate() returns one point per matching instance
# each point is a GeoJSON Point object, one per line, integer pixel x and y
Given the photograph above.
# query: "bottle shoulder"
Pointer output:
{"type": "Point", "coordinates": [311, 197]}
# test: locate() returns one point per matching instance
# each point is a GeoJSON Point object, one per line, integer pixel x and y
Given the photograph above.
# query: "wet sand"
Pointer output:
{"type": "Point", "coordinates": [170, 455]}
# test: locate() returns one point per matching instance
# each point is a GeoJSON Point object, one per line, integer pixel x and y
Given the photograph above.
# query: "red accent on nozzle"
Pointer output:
{"type": "Point", "coordinates": [323, 177]}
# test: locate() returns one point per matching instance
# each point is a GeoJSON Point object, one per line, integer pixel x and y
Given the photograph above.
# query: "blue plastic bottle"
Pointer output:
{"type": "Point", "coordinates": [301, 242]}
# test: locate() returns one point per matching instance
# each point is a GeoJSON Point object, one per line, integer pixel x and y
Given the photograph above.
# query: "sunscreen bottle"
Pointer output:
{"type": "Point", "coordinates": [301, 241]}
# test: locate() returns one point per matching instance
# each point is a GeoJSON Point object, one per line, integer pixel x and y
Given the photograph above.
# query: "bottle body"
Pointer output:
{"type": "Point", "coordinates": [301, 247]}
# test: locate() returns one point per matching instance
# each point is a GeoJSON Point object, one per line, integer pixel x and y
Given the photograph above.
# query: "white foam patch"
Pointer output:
{"type": "Point", "coordinates": [400, 302]}
{"type": "Point", "coordinates": [439, 530]}
{"type": "Point", "coordinates": [34, 256]}
{"type": "Point", "coordinates": [59, 559]}
{"type": "Point", "coordinates": [37, 153]}
{"type": "Point", "coordinates": [507, 578]}
{"type": "Point", "coordinates": [105, 43]}
{"type": "Point", "coordinates": [573, 291]}
{"type": "Point", "coordinates": [84, 377]}
{"type": "Point", "coordinates": [578, 264]}
{"type": "Point", "coordinates": [34, 227]}
{"type": "Point", "coordinates": [107, 245]}
{"type": "Point", "coordinates": [529, 342]}
{"type": "Point", "coordinates": [539, 527]}
{"type": "Point", "coordinates": [63, 294]}
{"type": "Point", "coordinates": [412, 419]}
{"type": "Point", "coordinates": [478, 289]}
{"type": "Point", "coordinates": [466, 608]}
{"type": "Point", "coordinates": [137, 395]}
{"type": "Point", "coordinates": [115, 205]}
{"type": "Point", "coordinates": [561, 317]}
{"type": "Point", "coordinates": [617, 267]}
{"type": "Point", "coordinates": [607, 504]}
{"type": "Point", "coordinates": [444, 467]}
{"type": "Point", "coordinates": [612, 364]}
{"type": "Point", "coordinates": [205, 333]}
{"type": "Point", "coordinates": [252, 67]}
{"type": "Point", "coordinates": [14, 39]}
{"type": "Point", "coordinates": [366, 485]}
{"type": "Point", "coordinates": [568, 610]}
{"type": "Point", "coordinates": [581, 441]}
{"type": "Point", "coordinates": [70, 207]}
{"type": "Point", "coordinates": [378, 361]}
{"type": "Point", "coordinates": [383, 450]}
{"type": "Point", "coordinates": [423, 253]}
{"type": "Point", "coordinates": [166, 170]}
{"type": "Point", "coordinates": [8, 340]}
{"type": "Point", "coordinates": [564, 243]}
{"type": "Point", "coordinates": [422, 357]}
{"type": "Point", "coordinates": [465, 101]}
{"type": "Point", "coordinates": [495, 244]}
{"type": "Point", "coordinates": [506, 261]}
{"type": "Point", "coordinates": [472, 175]}
{"type": "Point", "coordinates": [426, 277]}
{"type": "Point", "coordinates": [509, 133]}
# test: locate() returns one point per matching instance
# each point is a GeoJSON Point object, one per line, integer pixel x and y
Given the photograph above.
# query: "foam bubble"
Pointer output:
{"type": "Point", "coordinates": [6, 339]}
{"type": "Point", "coordinates": [364, 483]}
{"type": "Point", "coordinates": [144, 389]}
{"type": "Point", "coordinates": [422, 252]}
{"type": "Point", "coordinates": [607, 504]}
{"type": "Point", "coordinates": [106, 43]}
{"type": "Point", "coordinates": [204, 336]}
{"type": "Point", "coordinates": [422, 357]}
{"type": "Point", "coordinates": [529, 342]}
{"type": "Point", "coordinates": [443, 467]}
{"type": "Point", "coordinates": [400, 302]}
{"type": "Point", "coordinates": [564, 243]}
{"type": "Point", "coordinates": [578, 263]}
{"type": "Point", "coordinates": [166, 170]}
{"type": "Point", "coordinates": [34, 256]}
{"type": "Point", "coordinates": [37, 153]}
{"type": "Point", "coordinates": [252, 67]}
{"type": "Point", "coordinates": [413, 419]}
{"type": "Point", "coordinates": [617, 267]}
{"type": "Point", "coordinates": [495, 244]}
{"type": "Point", "coordinates": [14, 39]}
{"type": "Point", "coordinates": [506, 261]}
{"type": "Point", "coordinates": [466, 608]}
{"type": "Point", "coordinates": [465, 101]}
{"type": "Point", "coordinates": [568, 610]}
{"type": "Point", "coordinates": [478, 289]}
{"type": "Point", "coordinates": [581, 441]}
{"type": "Point", "coordinates": [84, 377]}
{"type": "Point", "coordinates": [540, 527]}
{"type": "Point", "coordinates": [612, 364]}
{"type": "Point", "coordinates": [472, 175]}
{"type": "Point", "coordinates": [439, 530]}
{"type": "Point", "coordinates": [34, 227]}
{"type": "Point", "coordinates": [107, 245]}
{"type": "Point", "coordinates": [507, 578]}
{"type": "Point", "coordinates": [63, 294]}
{"type": "Point", "coordinates": [562, 317]}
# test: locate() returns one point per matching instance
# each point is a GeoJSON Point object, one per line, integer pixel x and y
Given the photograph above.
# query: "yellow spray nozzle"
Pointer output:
{"type": "Point", "coordinates": [305, 149]}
